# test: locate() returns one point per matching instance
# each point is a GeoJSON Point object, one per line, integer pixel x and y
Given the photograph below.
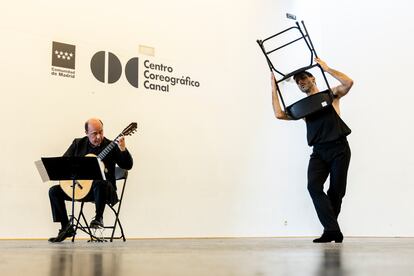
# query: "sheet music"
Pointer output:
{"type": "Point", "coordinates": [42, 170]}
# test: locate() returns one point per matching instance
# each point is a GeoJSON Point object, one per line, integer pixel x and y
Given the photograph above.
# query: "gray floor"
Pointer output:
{"type": "Point", "coordinates": [241, 256]}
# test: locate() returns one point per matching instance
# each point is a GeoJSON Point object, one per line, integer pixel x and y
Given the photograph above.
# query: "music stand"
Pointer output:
{"type": "Point", "coordinates": [70, 168]}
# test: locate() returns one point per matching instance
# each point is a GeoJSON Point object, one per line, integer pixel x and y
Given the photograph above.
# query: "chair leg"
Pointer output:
{"type": "Point", "coordinates": [122, 231]}
{"type": "Point", "coordinates": [117, 222]}
{"type": "Point", "coordinates": [85, 228]}
{"type": "Point", "coordinates": [77, 221]}
{"type": "Point", "coordinates": [113, 231]}
{"type": "Point", "coordinates": [118, 210]}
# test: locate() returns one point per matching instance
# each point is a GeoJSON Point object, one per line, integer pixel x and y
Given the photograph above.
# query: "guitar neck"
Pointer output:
{"type": "Point", "coordinates": [108, 148]}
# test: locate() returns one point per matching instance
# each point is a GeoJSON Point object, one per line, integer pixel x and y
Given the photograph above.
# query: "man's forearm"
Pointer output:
{"type": "Point", "coordinates": [341, 77]}
{"type": "Point", "coordinates": [279, 113]}
{"type": "Point", "coordinates": [346, 82]}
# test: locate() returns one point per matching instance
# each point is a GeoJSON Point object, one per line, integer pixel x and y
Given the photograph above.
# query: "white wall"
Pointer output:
{"type": "Point", "coordinates": [210, 161]}
{"type": "Point", "coordinates": [372, 41]}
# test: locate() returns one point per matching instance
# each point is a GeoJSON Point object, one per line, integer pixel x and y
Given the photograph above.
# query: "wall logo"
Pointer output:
{"type": "Point", "coordinates": [63, 59]}
{"type": "Point", "coordinates": [159, 77]}
{"type": "Point", "coordinates": [107, 68]}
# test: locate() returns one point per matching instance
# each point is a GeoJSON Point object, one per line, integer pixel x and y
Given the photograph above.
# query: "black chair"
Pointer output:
{"type": "Point", "coordinates": [307, 105]}
{"type": "Point", "coordinates": [121, 177]}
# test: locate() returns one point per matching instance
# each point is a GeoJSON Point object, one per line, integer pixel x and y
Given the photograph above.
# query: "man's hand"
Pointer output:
{"type": "Point", "coordinates": [121, 143]}
{"type": "Point", "coordinates": [346, 82]}
{"type": "Point", "coordinates": [322, 63]}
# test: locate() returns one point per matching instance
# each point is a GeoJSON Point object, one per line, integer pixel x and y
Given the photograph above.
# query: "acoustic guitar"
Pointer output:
{"type": "Point", "coordinates": [83, 187]}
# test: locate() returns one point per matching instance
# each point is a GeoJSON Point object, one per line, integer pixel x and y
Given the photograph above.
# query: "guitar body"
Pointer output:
{"type": "Point", "coordinates": [82, 187]}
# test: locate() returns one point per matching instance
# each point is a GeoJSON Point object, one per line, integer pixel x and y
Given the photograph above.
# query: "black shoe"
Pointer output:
{"type": "Point", "coordinates": [64, 233]}
{"type": "Point", "coordinates": [330, 236]}
{"type": "Point", "coordinates": [97, 222]}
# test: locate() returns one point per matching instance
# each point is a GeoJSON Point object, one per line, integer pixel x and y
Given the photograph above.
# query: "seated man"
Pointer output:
{"type": "Point", "coordinates": [102, 191]}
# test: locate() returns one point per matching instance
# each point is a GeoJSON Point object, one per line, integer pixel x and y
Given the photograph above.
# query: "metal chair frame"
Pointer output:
{"type": "Point", "coordinates": [316, 102]}
{"type": "Point", "coordinates": [120, 174]}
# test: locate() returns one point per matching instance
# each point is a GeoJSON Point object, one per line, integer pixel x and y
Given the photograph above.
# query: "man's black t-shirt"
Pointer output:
{"type": "Point", "coordinates": [325, 126]}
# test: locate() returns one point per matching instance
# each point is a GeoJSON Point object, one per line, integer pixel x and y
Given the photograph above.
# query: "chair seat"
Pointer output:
{"type": "Point", "coordinates": [310, 104]}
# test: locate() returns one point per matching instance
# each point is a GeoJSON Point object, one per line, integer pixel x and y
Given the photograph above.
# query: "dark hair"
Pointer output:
{"type": "Point", "coordinates": [87, 123]}
{"type": "Point", "coordinates": [301, 74]}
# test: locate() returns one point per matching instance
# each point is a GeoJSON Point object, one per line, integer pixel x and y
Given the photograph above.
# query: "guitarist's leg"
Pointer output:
{"type": "Point", "coordinates": [59, 213]}
{"type": "Point", "coordinates": [57, 202]}
{"type": "Point", "coordinates": [100, 194]}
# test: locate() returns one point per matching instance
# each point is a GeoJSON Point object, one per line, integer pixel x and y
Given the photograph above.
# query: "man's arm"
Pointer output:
{"type": "Point", "coordinates": [71, 150]}
{"type": "Point", "coordinates": [124, 158]}
{"type": "Point", "coordinates": [346, 82]}
{"type": "Point", "coordinates": [279, 113]}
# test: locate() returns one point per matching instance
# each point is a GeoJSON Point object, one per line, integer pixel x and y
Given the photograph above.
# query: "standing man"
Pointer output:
{"type": "Point", "coordinates": [102, 191]}
{"type": "Point", "coordinates": [326, 132]}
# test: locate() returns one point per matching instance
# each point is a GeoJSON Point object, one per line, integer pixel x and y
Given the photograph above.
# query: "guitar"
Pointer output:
{"type": "Point", "coordinates": [83, 187]}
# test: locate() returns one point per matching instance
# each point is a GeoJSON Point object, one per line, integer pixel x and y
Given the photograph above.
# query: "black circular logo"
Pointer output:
{"type": "Point", "coordinates": [113, 70]}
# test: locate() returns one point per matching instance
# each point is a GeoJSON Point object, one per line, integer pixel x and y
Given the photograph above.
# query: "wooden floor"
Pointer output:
{"type": "Point", "coordinates": [238, 256]}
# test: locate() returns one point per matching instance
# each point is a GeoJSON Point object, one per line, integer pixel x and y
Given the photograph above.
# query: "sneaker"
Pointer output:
{"type": "Point", "coordinates": [64, 233]}
{"type": "Point", "coordinates": [97, 222]}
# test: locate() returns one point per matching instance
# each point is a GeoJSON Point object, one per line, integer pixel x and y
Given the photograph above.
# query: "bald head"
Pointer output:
{"type": "Point", "coordinates": [94, 131]}
{"type": "Point", "coordinates": [92, 121]}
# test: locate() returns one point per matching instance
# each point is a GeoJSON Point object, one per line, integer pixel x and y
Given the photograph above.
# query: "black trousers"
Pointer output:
{"type": "Point", "coordinates": [102, 192]}
{"type": "Point", "coordinates": [331, 159]}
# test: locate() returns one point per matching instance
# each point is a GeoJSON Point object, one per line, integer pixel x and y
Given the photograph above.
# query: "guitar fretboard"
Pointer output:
{"type": "Point", "coordinates": [107, 149]}
{"type": "Point", "coordinates": [130, 129]}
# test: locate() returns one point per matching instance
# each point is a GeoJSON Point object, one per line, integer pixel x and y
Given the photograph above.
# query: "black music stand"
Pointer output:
{"type": "Point", "coordinates": [70, 168]}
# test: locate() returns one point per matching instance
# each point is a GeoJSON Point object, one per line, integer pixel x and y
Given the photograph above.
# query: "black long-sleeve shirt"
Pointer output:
{"type": "Point", "coordinates": [81, 147]}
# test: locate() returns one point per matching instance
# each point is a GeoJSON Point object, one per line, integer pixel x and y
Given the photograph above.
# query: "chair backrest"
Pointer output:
{"type": "Point", "coordinates": [120, 173]}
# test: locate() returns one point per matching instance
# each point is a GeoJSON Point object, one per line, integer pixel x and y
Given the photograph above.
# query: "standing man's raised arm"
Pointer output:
{"type": "Point", "coordinates": [346, 82]}
{"type": "Point", "coordinates": [279, 113]}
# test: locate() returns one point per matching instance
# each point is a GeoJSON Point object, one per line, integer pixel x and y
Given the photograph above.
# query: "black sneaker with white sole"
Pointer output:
{"type": "Point", "coordinates": [97, 222]}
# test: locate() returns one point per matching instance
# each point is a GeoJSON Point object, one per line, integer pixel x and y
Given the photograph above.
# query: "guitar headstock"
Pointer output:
{"type": "Point", "coordinates": [130, 129]}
